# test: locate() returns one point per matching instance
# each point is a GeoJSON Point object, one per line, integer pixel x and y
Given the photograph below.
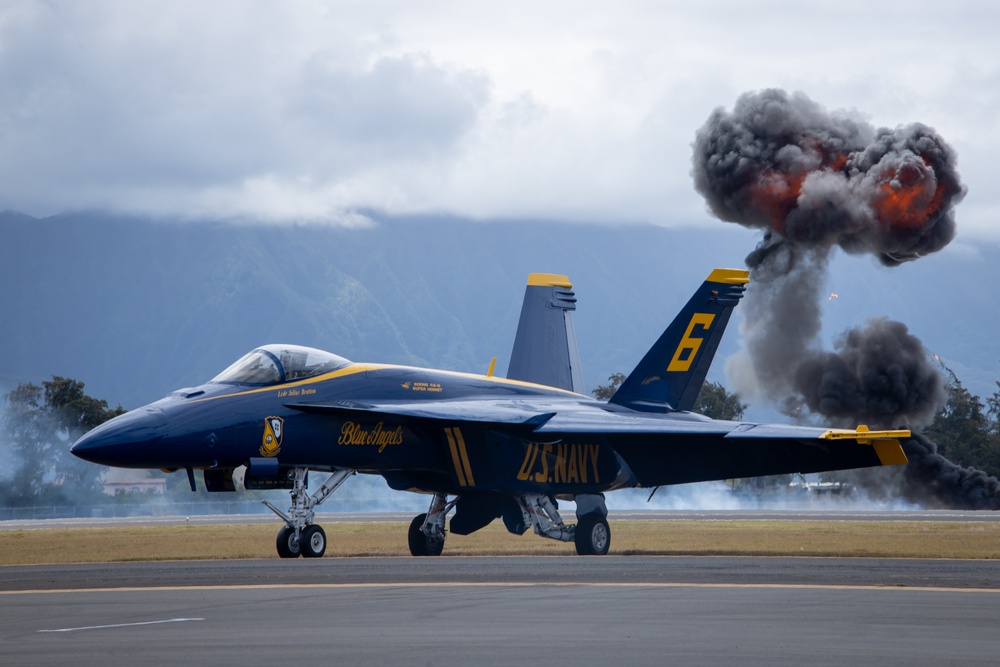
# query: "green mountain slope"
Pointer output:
{"type": "Point", "coordinates": [136, 308]}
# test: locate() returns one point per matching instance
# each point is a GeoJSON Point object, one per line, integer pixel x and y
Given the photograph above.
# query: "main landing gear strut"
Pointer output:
{"type": "Point", "coordinates": [591, 534]}
{"type": "Point", "coordinates": [426, 534]}
{"type": "Point", "coordinates": [300, 536]}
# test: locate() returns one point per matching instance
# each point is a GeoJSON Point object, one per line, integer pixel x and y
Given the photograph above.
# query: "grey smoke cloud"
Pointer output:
{"type": "Point", "coordinates": [781, 163]}
{"type": "Point", "coordinates": [813, 181]}
{"type": "Point", "coordinates": [878, 374]}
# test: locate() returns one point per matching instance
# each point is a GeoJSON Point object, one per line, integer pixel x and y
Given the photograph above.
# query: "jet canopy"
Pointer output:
{"type": "Point", "coordinates": [274, 364]}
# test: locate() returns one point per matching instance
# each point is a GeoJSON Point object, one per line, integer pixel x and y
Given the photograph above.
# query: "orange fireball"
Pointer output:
{"type": "Point", "coordinates": [910, 196]}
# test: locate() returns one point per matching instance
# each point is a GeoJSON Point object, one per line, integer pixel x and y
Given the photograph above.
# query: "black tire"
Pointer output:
{"type": "Point", "coordinates": [288, 546]}
{"type": "Point", "coordinates": [420, 544]}
{"type": "Point", "coordinates": [593, 536]}
{"type": "Point", "coordinates": [313, 542]}
{"type": "Point", "coordinates": [434, 547]}
{"type": "Point", "coordinates": [416, 538]}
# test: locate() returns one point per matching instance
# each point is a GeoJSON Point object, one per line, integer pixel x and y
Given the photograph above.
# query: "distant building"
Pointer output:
{"type": "Point", "coordinates": [158, 485]}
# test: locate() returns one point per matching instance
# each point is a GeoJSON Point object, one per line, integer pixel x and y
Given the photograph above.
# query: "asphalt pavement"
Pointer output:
{"type": "Point", "coordinates": [504, 610]}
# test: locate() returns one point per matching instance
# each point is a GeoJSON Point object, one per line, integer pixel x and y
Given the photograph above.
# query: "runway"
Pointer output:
{"type": "Point", "coordinates": [507, 610]}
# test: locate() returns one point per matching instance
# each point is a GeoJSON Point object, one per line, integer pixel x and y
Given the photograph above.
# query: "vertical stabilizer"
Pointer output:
{"type": "Point", "coordinates": [670, 376]}
{"type": "Point", "coordinates": [545, 350]}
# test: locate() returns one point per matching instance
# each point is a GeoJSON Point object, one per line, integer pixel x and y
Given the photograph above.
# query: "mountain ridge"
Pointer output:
{"type": "Point", "coordinates": [136, 307]}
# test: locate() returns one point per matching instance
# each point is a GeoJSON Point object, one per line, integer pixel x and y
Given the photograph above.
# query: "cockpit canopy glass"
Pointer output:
{"type": "Point", "coordinates": [274, 364]}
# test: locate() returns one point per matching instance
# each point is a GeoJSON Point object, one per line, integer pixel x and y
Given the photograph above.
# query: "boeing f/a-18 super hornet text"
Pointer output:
{"type": "Point", "coordinates": [482, 446]}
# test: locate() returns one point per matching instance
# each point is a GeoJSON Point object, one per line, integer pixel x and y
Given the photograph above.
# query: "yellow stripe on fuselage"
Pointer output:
{"type": "Point", "coordinates": [456, 457]}
{"type": "Point", "coordinates": [460, 456]}
{"type": "Point", "coordinates": [354, 369]}
{"type": "Point", "coordinates": [465, 456]}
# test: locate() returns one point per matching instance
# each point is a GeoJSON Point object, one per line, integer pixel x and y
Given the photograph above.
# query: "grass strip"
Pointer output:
{"type": "Point", "coordinates": [883, 539]}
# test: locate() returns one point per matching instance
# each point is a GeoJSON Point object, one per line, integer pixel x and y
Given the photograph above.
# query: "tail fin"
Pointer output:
{"type": "Point", "coordinates": [672, 372]}
{"type": "Point", "coordinates": [545, 349]}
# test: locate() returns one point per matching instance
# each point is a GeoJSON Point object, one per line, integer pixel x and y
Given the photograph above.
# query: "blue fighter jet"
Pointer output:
{"type": "Point", "coordinates": [483, 447]}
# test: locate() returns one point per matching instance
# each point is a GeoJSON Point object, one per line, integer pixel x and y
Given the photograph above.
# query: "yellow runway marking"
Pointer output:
{"type": "Point", "coordinates": [513, 584]}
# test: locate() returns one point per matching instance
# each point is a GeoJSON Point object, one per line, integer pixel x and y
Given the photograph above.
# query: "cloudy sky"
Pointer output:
{"type": "Point", "coordinates": [567, 110]}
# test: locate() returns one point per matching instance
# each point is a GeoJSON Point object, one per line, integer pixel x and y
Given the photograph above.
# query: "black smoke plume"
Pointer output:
{"type": "Point", "coordinates": [933, 481]}
{"type": "Point", "coordinates": [783, 164]}
{"type": "Point", "coordinates": [878, 374]}
{"type": "Point", "coordinates": [812, 181]}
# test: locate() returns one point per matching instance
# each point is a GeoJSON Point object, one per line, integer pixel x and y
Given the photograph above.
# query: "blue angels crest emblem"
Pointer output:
{"type": "Point", "coordinates": [274, 428]}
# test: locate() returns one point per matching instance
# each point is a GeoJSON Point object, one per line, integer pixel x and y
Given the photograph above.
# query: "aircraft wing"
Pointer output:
{"type": "Point", "coordinates": [678, 448]}
{"type": "Point", "coordinates": [543, 420]}
{"type": "Point", "coordinates": [479, 412]}
{"type": "Point", "coordinates": [540, 419]}
{"type": "Point", "coordinates": [687, 423]}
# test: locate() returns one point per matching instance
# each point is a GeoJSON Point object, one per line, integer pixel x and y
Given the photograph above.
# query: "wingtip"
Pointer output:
{"type": "Point", "coordinates": [890, 452]}
{"type": "Point", "coordinates": [885, 443]}
{"type": "Point", "coordinates": [863, 435]}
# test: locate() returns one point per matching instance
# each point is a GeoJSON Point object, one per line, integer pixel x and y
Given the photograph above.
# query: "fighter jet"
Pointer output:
{"type": "Point", "coordinates": [482, 447]}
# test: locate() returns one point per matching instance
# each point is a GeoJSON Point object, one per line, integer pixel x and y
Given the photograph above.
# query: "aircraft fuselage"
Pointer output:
{"type": "Point", "coordinates": [223, 426]}
{"type": "Point", "coordinates": [503, 447]}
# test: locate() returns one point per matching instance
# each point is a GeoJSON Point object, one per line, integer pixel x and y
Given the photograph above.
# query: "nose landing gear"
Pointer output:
{"type": "Point", "coordinates": [300, 536]}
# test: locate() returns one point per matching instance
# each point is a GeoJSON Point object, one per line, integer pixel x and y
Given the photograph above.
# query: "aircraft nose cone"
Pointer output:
{"type": "Point", "coordinates": [117, 442]}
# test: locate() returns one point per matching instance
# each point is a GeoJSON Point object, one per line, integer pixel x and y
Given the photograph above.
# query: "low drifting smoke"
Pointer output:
{"type": "Point", "coordinates": [934, 481]}
{"type": "Point", "coordinates": [813, 181]}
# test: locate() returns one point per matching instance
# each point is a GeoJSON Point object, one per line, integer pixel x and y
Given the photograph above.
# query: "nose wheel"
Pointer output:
{"type": "Point", "coordinates": [309, 543]}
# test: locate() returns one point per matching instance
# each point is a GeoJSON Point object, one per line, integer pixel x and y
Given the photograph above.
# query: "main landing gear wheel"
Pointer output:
{"type": "Point", "coordinates": [421, 544]}
{"type": "Point", "coordinates": [593, 536]}
{"type": "Point", "coordinates": [288, 544]}
{"type": "Point", "coordinates": [313, 542]}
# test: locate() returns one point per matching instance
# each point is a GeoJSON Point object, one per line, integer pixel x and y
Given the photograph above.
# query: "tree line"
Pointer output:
{"type": "Point", "coordinates": [41, 423]}
{"type": "Point", "coordinates": [966, 429]}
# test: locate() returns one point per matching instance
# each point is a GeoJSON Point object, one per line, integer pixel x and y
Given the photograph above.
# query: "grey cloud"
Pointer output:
{"type": "Point", "coordinates": [100, 107]}
{"type": "Point", "coordinates": [401, 107]}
